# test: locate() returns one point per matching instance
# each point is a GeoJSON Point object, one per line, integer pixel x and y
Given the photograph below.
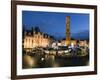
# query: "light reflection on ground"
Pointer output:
{"type": "Point", "coordinates": [45, 61]}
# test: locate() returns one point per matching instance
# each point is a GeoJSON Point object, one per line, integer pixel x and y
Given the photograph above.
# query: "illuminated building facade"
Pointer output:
{"type": "Point", "coordinates": [63, 42]}
{"type": "Point", "coordinates": [34, 38]}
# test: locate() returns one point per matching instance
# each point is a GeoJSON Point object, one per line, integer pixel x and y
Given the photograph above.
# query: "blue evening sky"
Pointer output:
{"type": "Point", "coordinates": [55, 23]}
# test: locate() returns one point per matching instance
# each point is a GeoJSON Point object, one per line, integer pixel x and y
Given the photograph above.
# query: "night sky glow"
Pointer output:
{"type": "Point", "coordinates": [54, 23]}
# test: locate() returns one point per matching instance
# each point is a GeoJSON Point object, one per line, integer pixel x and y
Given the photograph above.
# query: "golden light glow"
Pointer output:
{"type": "Point", "coordinates": [36, 41]}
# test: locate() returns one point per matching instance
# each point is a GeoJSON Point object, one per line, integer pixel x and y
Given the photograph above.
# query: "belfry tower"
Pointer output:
{"type": "Point", "coordinates": [68, 38]}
